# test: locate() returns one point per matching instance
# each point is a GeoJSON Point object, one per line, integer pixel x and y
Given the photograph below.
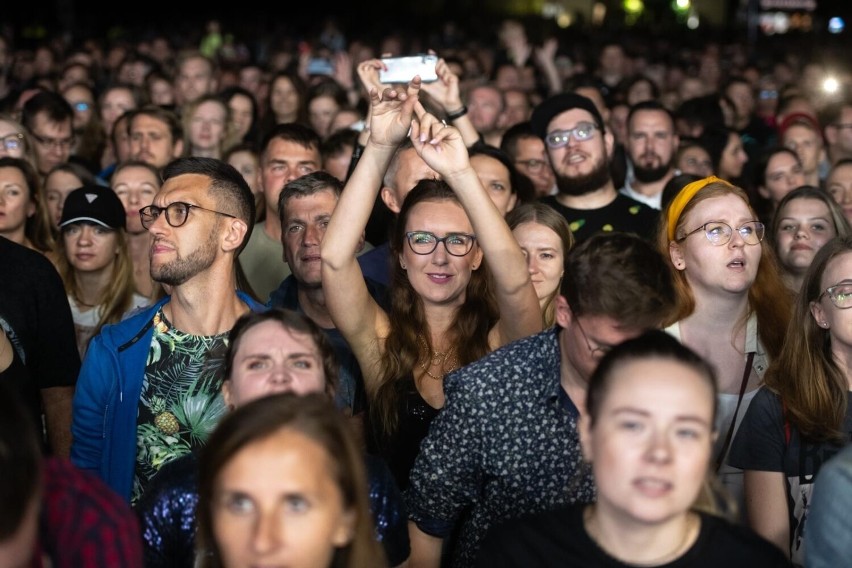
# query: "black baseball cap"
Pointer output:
{"type": "Point", "coordinates": [545, 111]}
{"type": "Point", "coordinates": [96, 204]}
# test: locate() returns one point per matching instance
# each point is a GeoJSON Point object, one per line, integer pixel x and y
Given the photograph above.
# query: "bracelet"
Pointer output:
{"type": "Point", "coordinates": [451, 116]}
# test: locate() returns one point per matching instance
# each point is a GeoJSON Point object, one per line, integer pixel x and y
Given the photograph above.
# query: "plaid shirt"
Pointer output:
{"type": "Point", "coordinates": [84, 524]}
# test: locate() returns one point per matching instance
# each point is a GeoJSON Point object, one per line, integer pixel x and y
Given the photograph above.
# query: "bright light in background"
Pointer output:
{"type": "Point", "coordinates": [831, 85]}
{"type": "Point", "coordinates": [565, 19]}
{"type": "Point", "coordinates": [633, 6]}
{"type": "Point", "coordinates": [598, 13]}
{"type": "Point", "coordinates": [836, 25]}
{"type": "Point", "coordinates": [692, 21]}
{"type": "Point", "coordinates": [681, 5]}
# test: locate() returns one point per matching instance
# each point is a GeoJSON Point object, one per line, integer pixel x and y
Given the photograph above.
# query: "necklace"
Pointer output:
{"type": "Point", "coordinates": [691, 525]}
{"type": "Point", "coordinates": [446, 361]}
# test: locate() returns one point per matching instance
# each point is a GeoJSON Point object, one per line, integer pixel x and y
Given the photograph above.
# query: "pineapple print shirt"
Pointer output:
{"type": "Point", "coordinates": [181, 401]}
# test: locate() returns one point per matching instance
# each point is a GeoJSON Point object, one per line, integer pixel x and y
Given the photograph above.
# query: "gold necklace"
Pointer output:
{"type": "Point", "coordinates": [692, 523]}
{"type": "Point", "coordinates": [440, 359]}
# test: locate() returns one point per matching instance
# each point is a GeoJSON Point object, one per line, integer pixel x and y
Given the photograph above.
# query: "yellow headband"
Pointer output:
{"type": "Point", "coordinates": [683, 197]}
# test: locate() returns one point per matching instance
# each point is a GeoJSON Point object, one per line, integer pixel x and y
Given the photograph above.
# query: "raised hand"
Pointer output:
{"type": "Point", "coordinates": [440, 145]}
{"type": "Point", "coordinates": [391, 113]}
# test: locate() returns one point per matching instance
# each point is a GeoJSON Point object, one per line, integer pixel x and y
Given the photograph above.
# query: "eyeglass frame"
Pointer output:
{"type": "Point", "coordinates": [830, 293]}
{"type": "Point", "coordinates": [571, 132]}
{"type": "Point", "coordinates": [145, 213]}
{"type": "Point", "coordinates": [593, 351]}
{"type": "Point", "coordinates": [439, 240]}
{"type": "Point", "coordinates": [730, 235]}
{"type": "Point", "coordinates": [53, 142]}
{"type": "Point", "coordinates": [12, 136]}
{"type": "Point", "coordinates": [534, 169]}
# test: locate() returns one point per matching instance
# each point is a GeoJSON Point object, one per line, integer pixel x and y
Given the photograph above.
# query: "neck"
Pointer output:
{"type": "Point", "coordinates": [272, 225]}
{"type": "Point", "coordinates": [139, 245]}
{"type": "Point", "coordinates": [439, 320]}
{"type": "Point", "coordinates": [312, 302]}
{"type": "Point", "coordinates": [651, 188]}
{"type": "Point", "coordinates": [596, 199]}
{"type": "Point", "coordinates": [207, 304]}
{"type": "Point", "coordinates": [17, 236]}
{"type": "Point", "coordinates": [206, 153]}
{"type": "Point", "coordinates": [570, 378]}
{"type": "Point", "coordinates": [91, 285]}
{"type": "Point", "coordinates": [793, 281]}
{"type": "Point", "coordinates": [720, 311]}
{"type": "Point", "coordinates": [641, 543]}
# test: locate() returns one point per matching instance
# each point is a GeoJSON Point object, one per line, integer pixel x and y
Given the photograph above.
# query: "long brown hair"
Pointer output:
{"type": "Point", "coordinates": [408, 325]}
{"type": "Point", "coordinates": [767, 297]}
{"type": "Point", "coordinates": [37, 226]}
{"type": "Point", "coordinates": [117, 297]}
{"type": "Point", "coordinates": [315, 417]}
{"type": "Point", "coordinates": [812, 387]}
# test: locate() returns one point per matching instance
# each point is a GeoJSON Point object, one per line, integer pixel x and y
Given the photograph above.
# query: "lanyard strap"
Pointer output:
{"type": "Point", "coordinates": [746, 373]}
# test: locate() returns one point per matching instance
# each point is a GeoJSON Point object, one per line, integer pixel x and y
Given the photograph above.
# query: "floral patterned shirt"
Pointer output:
{"type": "Point", "coordinates": [505, 444]}
{"type": "Point", "coordinates": [181, 400]}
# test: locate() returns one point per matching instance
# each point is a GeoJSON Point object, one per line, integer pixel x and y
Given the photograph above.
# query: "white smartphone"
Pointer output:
{"type": "Point", "coordinates": [403, 69]}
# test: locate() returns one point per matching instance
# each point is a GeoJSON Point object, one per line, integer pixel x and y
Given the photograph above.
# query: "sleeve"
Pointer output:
{"type": "Point", "coordinates": [89, 408]}
{"type": "Point", "coordinates": [447, 474]}
{"type": "Point", "coordinates": [827, 542]}
{"type": "Point", "coordinates": [56, 362]}
{"type": "Point", "coordinates": [760, 444]}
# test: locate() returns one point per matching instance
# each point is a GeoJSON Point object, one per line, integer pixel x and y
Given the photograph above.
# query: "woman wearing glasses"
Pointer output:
{"type": "Point", "coordinates": [803, 416]}
{"type": "Point", "coordinates": [731, 305]}
{"type": "Point", "coordinates": [447, 309]}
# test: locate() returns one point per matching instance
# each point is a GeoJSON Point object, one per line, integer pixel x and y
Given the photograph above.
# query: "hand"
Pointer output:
{"type": "Point", "coordinates": [368, 74]}
{"type": "Point", "coordinates": [445, 91]}
{"type": "Point", "coordinates": [392, 113]}
{"type": "Point", "coordinates": [343, 69]}
{"type": "Point", "coordinates": [546, 54]}
{"type": "Point", "coordinates": [441, 146]}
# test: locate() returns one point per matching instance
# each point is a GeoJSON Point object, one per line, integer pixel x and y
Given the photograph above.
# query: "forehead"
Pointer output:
{"type": "Point", "coordinates": [43, 121]}
{"type": "Point", "coordinates": [7, 128]}
{"type": "Point", "coordinates": [438, 216]}
{"type": "Point", "coordinates": [62, 178]}
{"type": "Point", "coordinates": [805, 207]}
{"type": "Point", "coordinates": [12, 175]}
{"type": "Point", "coordinates": [483, 162]}
{"type": "Point", "coordinates": [321, 202]}
{"type": "Point", "coordinates": [841, 173]}
{"type": "Point", "coordinates": [148, 122]}
{"type": "Point", "coordinates": [185, 187]}
{"type": "Point", "coordinates": [728, 207]}
{"type": "Point", "coordinates": [135, 173]}
{"type": "Point", "coordinates": [655, 383]}
{"type": "Point", "coordinates": [570, 119]}
{"type": "Point", "coordinates": [195, 65]}
{"type": "Point", "coordinates": [799, 132]}
{"type": "Point", "coordinates": [280, 149]}
{"type": "Point", "coordinates": [838, 269]}
{"type": "Point", "coordinates": [651, 118]}
{"type": "Point", "coordinates": [273, 334]}
{"type": "Point", "coordinates": [696, 152]}
{"type": "Point", "coordinates": [211, 107]}
{"type": "Point", "coordinates": [782, 159]}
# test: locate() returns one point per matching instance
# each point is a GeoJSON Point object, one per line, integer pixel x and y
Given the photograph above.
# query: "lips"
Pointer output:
{"type": "Point", "coordinates": [311, 258]}
{"type": "Point", "coordinates": [439, 277]}
{"type": "Point", "coordinates": [653, 487]}
{"type": "Point", "coordinates": [158, 247]}
{"type": "Point", "coordinates": [737, 264]}
{"type": "Point", "coordinates": [801, 247]}
{"type": "Point", "coordinates": [84, 256]}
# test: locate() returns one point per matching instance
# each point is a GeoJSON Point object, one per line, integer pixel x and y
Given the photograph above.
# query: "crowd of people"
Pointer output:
{"type": "Point", "coordinates": [541, 309]}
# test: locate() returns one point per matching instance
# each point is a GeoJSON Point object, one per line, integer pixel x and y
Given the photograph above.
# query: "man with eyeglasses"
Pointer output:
{"type": "Point", "coordinates": [146, 394]}
{"type": "Point", "coordinates": [579, 148]}
{"type": "Point", "coordinates": [506, 442]}
{"type": "Point", "coordinates": [48, 117]}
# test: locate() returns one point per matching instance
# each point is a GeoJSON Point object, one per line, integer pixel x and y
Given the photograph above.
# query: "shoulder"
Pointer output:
{"type": "Point", "coordinates": [125, 330]}
{"type": "Point", "coordinates": [525, 360]}
{"type": "Point", "coordinates": [738, 543]}
{"type": "Point", "coordinates": [633, 207]}
{"type": "Point", "coordinates": [82, 495]}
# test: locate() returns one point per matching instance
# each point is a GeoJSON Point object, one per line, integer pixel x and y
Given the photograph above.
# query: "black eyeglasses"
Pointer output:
{"type": "Point", "coordinates": [595, 352]}
{"type": "Point", "coordinates": [424, 242]}
{"type": "Point", "coordinates": [61, 143]}
{"type": "Point", "coordinates": [719, 233]}
{"type": "Point", "coordinates": [177, 213]}
{"type": "Point", "coordinates": [535, 166]}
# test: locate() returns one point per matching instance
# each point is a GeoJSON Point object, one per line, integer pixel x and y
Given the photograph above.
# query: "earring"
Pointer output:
{"type": "Point", "coordinates": [403, 265]}
{"type": "Point", "coordinates": [824, 324]}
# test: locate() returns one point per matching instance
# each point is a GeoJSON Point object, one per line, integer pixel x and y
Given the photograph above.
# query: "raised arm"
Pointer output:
{"type": "Point", "coordinates": [354, 312]}
{"type": "Point", "coordinates": [447, 94]}
{"type": "Point", "coordinates": [520, 314]}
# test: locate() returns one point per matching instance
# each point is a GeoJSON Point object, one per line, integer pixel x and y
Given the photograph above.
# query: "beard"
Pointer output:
{"type": "Point", "coordinates": [583, 184]}
{"type": "Point", "coordinates": [179, 270]}
{"type": "Point", "coordinates": [651, 174]}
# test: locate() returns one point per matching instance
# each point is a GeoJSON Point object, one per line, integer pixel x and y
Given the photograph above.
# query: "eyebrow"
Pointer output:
{"type": "Point", "coordinates": [647, 414]}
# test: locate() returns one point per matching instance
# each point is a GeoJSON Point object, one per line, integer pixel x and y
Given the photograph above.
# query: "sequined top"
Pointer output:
{"type": "Point", "coordinates": [399, 449]}
{"type": "Point", "coordinates": [167, 513]}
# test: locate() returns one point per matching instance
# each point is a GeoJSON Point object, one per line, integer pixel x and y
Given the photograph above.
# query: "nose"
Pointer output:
{"type": "Point", "coordinates": [313, 236]}
{"type": "Point", "coordinates": [85, 235]}
{"type": "Point", "coordinates": [737, 239]}
{"type": "Point", "coordinates": [440, 255]}
{"type": "Point", "coordinates": [532, 264]}
{"type": "Point", "coordinates": [659, 447]}
{"type": "Point", "coordinates": [267, 532]}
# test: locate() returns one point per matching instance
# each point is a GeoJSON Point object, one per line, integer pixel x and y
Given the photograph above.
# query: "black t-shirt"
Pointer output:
{"type": "Point", "coordinates": [36, 316]}
{"type": "Point", "coordinates": [622, 214]}
{"type": "Point", "coordinates": [558, 538]}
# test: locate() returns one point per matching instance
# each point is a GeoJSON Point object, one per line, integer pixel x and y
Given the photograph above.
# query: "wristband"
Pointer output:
{"type": "Point", "coordinates": [451, 116]}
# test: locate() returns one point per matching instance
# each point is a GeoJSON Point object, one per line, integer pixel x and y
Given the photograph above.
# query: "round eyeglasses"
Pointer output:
{"type": "Point", "coordinates": [559, 138]}
{"type": "Point", "coordinates": [595, 352]}
{"type": "Point", "coordinates": [719, 233]}
{"type": "Point", "coordinates": [424, 242]}
{"type": "Point", "coordinates": [177, 213]}
{"type": "Point", "coordinates": [839, 294]}
{"type": "Point", "coordinates": [12, 142]}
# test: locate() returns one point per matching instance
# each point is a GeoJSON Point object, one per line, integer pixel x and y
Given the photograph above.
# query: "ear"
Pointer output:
{"type": "Point", "coordinates": [31, 208]}
{"type": "Point", "coordinates": [830, 133]}
{"type": "Point", "coordinates": [676, 256]}
{"type": "Point", "coordinates": [513, 200]}
{"type": "Point", "coordinates": [390, 199]}
{"type": "Point", "coordinates": [235, 235]}
{"type": "Point", "coordinates": [764, 193]}
{"type": "Point", "coordinates": [609, 142]}
{"type": "Point", "coordinates": [226, 394]}
{"type": "Point", "coordinates": [564, 316]}
{"type": "Point", "coordinates": [345, 530]}
{"type": "Point", "coordinates": [477, 259]}
{"type": "Point", "coordinates": [818, 313]}
{"type": "Point", "coordinates": [178, 151]}
{"type": "Point", "coordinates": [583, 425]}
